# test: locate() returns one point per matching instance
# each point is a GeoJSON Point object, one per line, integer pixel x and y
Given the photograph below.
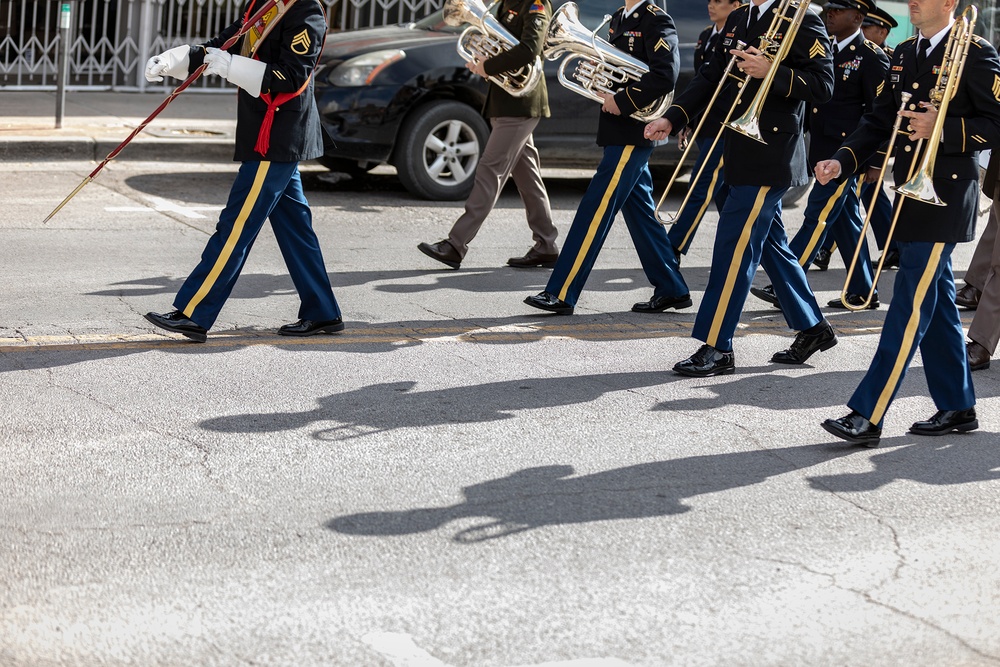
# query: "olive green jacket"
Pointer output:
{"type": "Point", "coordinates": [527, 21]}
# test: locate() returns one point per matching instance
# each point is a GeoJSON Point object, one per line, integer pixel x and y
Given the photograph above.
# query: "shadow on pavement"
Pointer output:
{"type": "Point", "coordinates": [549, 495]}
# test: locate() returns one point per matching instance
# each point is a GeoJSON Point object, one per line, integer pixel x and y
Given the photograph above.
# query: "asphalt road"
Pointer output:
{"type": "Point", "coordinates": [457, 480]}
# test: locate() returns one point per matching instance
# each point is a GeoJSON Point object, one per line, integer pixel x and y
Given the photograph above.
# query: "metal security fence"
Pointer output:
{"type": "Point", "coordinates": [112, 39]}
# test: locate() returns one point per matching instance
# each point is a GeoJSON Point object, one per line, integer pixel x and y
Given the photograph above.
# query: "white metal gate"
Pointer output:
{"type": "Point", "coordinates": [111, 39]}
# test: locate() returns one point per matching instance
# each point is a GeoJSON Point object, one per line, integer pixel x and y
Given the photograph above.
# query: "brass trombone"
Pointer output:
{"type": "Point", "coordinates": [919, 181]}
{"type": "Point", "coordinates": [775, 44]}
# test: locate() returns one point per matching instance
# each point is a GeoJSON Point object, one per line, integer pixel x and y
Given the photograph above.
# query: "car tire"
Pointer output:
{"type": "Point", "coordinates": [438, 149]}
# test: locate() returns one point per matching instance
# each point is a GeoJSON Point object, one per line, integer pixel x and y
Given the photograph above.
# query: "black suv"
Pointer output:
{"type": "Point", "coordinates": [402, 95]}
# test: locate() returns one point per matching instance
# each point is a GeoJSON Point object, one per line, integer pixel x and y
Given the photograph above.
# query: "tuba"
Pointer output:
{"type": "Point", "coordinates": [485, 38]}
{"type": "Point", "coordinates": [599, 67]}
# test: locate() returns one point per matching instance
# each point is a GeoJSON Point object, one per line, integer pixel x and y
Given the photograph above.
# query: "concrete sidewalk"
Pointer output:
{"type": "Point", "coordinates": [195, 126]}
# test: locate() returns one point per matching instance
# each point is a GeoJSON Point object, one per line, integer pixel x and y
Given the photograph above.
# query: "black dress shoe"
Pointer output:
{"type": "Point", "coordinates": [805, 345]}
{"type": "Point", "coordinates": [549, 302]}
{"type": "Point", "coordinates": [822, 259]}
{"type": "Point", "coordinates": [311, 327]}
{"type": "Point", "coordinates": [968, 297]}
{"type": "Point", "coordinates": [767, 294]}
{"type": "Point", "coordinates": [533, 259]}
{"type": "Point", "coordinates": [707, 361]}
{"type": "Point", "coordinates": [946, 421]}
{"type": "Point", "coordinates": [979, 356]}
{"type": "Point", "coordinates": [443, 252]}
{"type": "Point", "coordinates": [178, 322]}
{"type": "Point", "coordinates": [658, 304]}
{"type": "Point", "coordinates": [891, 261]}
{"type": "Point", "coordinates": [855, 300]}
{"type": "Point", "coordinates": [855, 429]}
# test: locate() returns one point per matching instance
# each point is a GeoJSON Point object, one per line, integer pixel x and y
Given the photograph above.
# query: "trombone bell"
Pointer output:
{"type": "Point", "coordinates": [921, 188]}
{"type": "Point", "coordinates": [748, 125]}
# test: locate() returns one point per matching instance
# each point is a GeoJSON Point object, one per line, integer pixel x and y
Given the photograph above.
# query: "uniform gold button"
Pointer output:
{"type": "Point", "coordinates": [916, 86]}
{"type": "Point", "coordinates": [815, 110]}
{"type": "Point", "coordinates": [913, 106]}
{"type": "Point", "coordinates": [954, 177]}
{"type": "Point", "coordinates": [906, 148]}
{"type": "Point", "coordinates": [843, 134]}
{"type": "Point", "coordinates": [852, 47]}
{"type": "Point", "coordinates": [775, 130]}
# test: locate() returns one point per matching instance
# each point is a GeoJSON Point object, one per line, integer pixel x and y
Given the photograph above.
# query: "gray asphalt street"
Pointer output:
{"type": "Point", "coordinates": [456, 480]}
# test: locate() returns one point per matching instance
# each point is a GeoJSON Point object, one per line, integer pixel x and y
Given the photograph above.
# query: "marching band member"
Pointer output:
{"type": "Point", "coordinates": [860, 69]}
{"type": "Point", "coordinates": [758, 175]}
{"type": "Point", "coordinates": [277, 126]}
{"type": "Point", "coordinates": [510, 151]}
{"type": "Point", "coordinates": [623, 181]}
{"type": "Point", "coordinates": [711, 186]}
{"type": "Point", "coordinates": [923, 312]}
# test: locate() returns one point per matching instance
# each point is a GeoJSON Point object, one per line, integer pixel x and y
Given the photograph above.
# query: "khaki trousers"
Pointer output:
{"type": "Point", "coordinates": [984, 275]}
{"type": "Point", "coordinates": [510, 153]}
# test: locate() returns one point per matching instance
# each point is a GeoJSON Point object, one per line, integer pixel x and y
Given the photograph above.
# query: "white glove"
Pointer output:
{"type": "Point", "coordinates": [246, 73]}
{"type": "Point", "coordinates": [172, 63]}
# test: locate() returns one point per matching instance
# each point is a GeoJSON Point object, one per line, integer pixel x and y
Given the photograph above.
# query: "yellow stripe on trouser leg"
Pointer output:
{"type": "Point", "coordinates": [909, 334]}
{"type": "Point", "coordinates": [824, 215]}
{"type": "Point", "coordinates": [734, 267]}
{"type": "Point", "coordinates": [595, 222]}
{"type": "Point", "coordinates": [234, 237]}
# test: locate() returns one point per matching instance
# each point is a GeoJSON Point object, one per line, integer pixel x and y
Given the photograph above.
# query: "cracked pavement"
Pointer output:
{"type": "Point", "coordinates": [457, 479]}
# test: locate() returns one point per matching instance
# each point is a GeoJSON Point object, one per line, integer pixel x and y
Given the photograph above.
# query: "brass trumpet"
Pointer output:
{"type": "Point", "coordinates": [775, 43]}
{"type": "Point", "coordinates": [919, 184]}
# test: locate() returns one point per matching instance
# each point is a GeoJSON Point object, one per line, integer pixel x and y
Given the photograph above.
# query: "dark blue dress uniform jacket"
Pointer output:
{"type": "Point", "coordinates": [290, 51]}
{"type": "Point", "coordinates": [717, 113]}
{"type": "Point", "coordinates": [805, 76]}
{"type": "Point", "coordinates": [859, 72]}
{"type": "Point", "coordinates": [647, 33]}
{"type": "Point", "coordinates": [972, 124]}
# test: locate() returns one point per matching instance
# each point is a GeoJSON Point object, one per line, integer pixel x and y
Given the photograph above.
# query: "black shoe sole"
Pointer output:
{"type": "Point", "coordinates": [446, 262]}
{"type": "Point", "coordinates": [979, 367]}
{"type": "Point", "coordinates": [961, 428]}
{"type": "Point", "coordinates": [542, 265]}
{"type": "Point", "coordinates": [196, 336]}
{"type": "Point", "coordinates": [729, 370]}
{"type": "Point", "coordinates": [556, 310]}
{"type": "Point", "coordinates": [822, 348]}
{"type": "Point", "coordinates": [867, 442]}
{"type": "Point", "coordinates": [329, 329]}
{"type": "Point", "coordinates": [674, 306]}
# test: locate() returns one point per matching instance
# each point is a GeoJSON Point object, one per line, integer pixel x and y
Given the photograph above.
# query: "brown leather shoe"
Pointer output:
{"type": "Point", "coordinates": [968, 297]}
{"type": "Point", "coordinates": [979, 356]}
{"type": "Point", "coordinates": [443, 252]}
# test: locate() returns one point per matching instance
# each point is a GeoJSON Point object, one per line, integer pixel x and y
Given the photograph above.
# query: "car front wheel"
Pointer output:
{"type": "Point", "coordinates": [438, 150]}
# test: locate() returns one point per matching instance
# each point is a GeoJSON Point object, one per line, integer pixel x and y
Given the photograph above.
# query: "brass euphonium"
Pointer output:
{"type": "Point", "coordinates": [485, 38]}
{"type": "Point", "coordinates": [598, 66]}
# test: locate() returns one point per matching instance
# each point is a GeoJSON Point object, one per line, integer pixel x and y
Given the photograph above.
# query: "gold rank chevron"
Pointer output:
{"type": "Point", "coordinates": [880, 88]}
{"type": "Point", "coordinates": [996, 87]}
{"type": "Point", "coordinates": [817, 50]}
{"type": "Point", "coordinates": [300, 43]}
{"type": "Point", "coordinates": [661, 44]}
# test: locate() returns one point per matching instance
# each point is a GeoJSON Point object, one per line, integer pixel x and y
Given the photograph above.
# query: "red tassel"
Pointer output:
{"type": "Point", "coordinates": [264, 137]}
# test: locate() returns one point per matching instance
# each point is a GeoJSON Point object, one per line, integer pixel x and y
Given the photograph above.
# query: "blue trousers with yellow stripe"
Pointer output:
{"type": "Point", "coordinates": [709, 187]}
{"type": "Point", "coordinates": [922, 314]}
{"type": "Point", "coordinates": [751, 234]}
{"type": "Point", "coordinates": [622, 183]}
{"type": "Point", "coordinates": [834, 209]}
{"type": "Point", "coordinates": [262, 191]}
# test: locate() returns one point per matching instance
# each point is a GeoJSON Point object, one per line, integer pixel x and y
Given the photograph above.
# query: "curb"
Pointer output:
{"type": "Point", "coordinates": [37, 149]}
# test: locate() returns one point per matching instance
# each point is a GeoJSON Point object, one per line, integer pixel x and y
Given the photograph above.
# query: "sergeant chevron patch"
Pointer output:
{"type": "Point", "coordinates": [300, 43]}
{"type": "Point", "coordinates": [996, 87]}
{"type": "Point", "coordinates": [817, 50]}
{"type": "Point", "coordinates": [879, 88]}
{"type": "Point", "coordinates": [661, 44]}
